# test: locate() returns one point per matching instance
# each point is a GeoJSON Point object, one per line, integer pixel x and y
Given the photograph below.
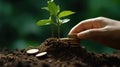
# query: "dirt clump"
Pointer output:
{"type": "Point", "coordinates": [58, 54]}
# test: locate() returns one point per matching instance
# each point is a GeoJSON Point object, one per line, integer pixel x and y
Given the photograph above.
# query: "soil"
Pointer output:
{"type": "Point", "coordinates": [59, 54]}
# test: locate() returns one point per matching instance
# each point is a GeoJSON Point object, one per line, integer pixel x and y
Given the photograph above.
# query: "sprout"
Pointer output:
{"type": "Point", "coordinates": [55, 16]}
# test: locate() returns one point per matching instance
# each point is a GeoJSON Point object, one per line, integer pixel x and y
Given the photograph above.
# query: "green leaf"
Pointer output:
{"type": "Point", "coordinates": [58, 8]}
{"type": "Point", "coordinates": [45, 8]}
{"type": "Point", "coordinates": [53, 8]}
{"type": "Point", "coordinates": [43, 22]}
{"type": "Point", "coordinates": [51, 0]}
{"type": "Point", "coordinates": [65, 13]}
{"type": "Point", "coordinates": [64, 21]}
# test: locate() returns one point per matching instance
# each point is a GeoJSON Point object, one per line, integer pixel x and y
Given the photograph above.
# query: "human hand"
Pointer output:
{"type": "Point", "coordinates": [101, 29]}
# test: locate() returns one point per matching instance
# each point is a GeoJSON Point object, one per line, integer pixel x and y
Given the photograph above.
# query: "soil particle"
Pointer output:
{"type": "Point", "coordinates": [59, 54]}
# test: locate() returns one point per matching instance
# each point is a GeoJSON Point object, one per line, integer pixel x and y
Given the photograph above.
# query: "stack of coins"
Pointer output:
{"type": "Point", "coordinates": [72, 39]}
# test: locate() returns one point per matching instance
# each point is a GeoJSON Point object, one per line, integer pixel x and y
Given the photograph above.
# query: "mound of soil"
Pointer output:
{"type": "Point", "coordinates": [59, 54]}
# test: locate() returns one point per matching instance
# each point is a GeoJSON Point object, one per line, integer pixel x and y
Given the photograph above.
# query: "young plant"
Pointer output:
{"type": "Point", "coordinates": [55, 16]}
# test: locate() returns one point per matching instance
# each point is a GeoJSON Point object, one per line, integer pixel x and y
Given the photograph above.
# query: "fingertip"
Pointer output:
{"type": "Point", "coordinates": [72, 35]}
{"type": "Point", "coordinates": [84, 34]}
{"type": "Point", "coordinates": [72, 31]}
{"type": "Point", "coordinates": [81, 36]}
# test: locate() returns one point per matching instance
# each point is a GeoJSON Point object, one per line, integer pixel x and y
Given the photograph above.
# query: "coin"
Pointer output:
{"type": "Point", "coordinates": [32, 51]}
{"type": "Point", "coordinates": [41, 54]}
{"type": "Point", "coordinates": [70, 40]}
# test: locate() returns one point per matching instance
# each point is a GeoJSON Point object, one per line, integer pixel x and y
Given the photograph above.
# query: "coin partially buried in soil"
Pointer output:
{"type": "Point", "coordinates": [32, 51]}
{"type": "Point", "coordinates": [41, 54]}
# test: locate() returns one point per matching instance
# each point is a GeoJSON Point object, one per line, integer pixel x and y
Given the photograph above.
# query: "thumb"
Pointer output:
{"type": "Point", "coordinates": [91, 33]}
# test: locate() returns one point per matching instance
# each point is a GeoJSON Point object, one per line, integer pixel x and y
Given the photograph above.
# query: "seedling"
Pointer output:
{"type": "Point", "coordinates": [56, 17]}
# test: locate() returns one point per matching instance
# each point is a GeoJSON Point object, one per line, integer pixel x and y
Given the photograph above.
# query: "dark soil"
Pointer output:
{"type": "Point", "coordinates": [60, 54]}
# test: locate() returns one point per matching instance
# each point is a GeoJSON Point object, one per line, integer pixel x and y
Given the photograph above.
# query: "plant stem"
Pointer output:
{"type": "Point", "coordinates": [52, 25]}
{"type": "Point", "coordinates": [58, 25]}
{"type": "Point", "coordinates": [52, 29]}
{"type": "Point", "coordinates": [58, 30]}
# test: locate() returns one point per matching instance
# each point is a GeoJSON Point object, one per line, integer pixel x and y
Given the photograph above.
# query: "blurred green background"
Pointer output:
{"type": "Point", "coordinates": [18, 19]}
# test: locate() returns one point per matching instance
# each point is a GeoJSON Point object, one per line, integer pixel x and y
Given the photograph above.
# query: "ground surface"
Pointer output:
{"type": "Point", "coordinates": [60, 54]}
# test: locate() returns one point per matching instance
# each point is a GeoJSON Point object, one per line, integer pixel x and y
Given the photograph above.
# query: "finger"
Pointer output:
{"type": "Point", "coordinates": [86, 24]}
{"type": "Point", "coordinates": [91, 33]}
{"type": "Point", "coordinates": [79, 27]}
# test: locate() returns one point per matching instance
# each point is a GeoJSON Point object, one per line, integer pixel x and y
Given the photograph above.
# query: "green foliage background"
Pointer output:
{"type": "Point", "coordinates": [18, 19]}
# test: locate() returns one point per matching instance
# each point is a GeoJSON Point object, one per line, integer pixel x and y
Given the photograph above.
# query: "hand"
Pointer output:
{"type": "Point", "coordinates": [101, 29]}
